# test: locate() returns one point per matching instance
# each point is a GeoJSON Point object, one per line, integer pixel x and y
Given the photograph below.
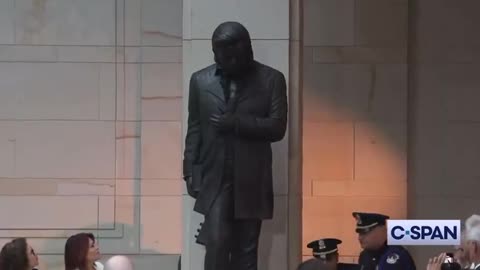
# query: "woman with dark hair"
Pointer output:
{"type": "Point", "coordinates": [18, 255]}
{"type": "Point", "coordinates": [82, 253]}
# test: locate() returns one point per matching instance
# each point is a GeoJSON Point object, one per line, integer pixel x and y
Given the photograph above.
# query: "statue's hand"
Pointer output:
{"type": "Point", "coordinates": [224, 122]}
{"type": "Point", "coordinates": [190, 189]}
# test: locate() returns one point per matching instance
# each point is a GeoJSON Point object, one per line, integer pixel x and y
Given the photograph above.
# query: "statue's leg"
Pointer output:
{"type": "Point", "coordinates": [246, 233]}
{"type": "Point", "coordinates": [219, 232]}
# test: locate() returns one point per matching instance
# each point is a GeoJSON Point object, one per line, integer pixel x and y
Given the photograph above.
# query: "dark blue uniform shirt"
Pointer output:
{"type": "Point", "coordinates": [388, 258]}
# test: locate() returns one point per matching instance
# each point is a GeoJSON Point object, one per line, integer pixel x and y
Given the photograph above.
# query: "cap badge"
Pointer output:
{"type": "Point", "coordinates": [321, 244]}
{"type": "Point", "coordinates": [359, 220]}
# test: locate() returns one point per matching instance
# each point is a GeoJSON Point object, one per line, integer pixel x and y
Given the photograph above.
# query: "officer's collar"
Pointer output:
{"type": "Point", "coordinates": [378, 252]}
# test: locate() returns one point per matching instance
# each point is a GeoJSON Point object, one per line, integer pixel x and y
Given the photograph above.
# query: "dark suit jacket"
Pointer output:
{"type": "Point", "coordinates": [261, 119]}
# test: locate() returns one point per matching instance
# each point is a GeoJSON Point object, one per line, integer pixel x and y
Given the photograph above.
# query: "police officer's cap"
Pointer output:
{"type": "Point", "coordinates": [367, 221]}
{"type": "Point", "coordinates": [323, 247]}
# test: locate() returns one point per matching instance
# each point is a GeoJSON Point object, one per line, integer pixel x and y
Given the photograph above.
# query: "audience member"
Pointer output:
{"type": "Point", "coordinates": [460, 255]}
{"type": "Point", "coordinates": [472, 239]}
{"type": "Point", "coordinates": [82, 253]}
{"type": "Point", "coordinates": [18, 255]}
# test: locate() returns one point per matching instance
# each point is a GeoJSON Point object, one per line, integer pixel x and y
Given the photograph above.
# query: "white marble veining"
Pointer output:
{"type": "Point", "coordinates": [8, 149]}
{"type": "Point", "coordinates": [161, 80]}
{"type": "Point", "coordinates": [7, 22]}
{"type": "Point", "coordinates": [161, 22]}
{"type": "Point", "coordinates": [76, 212]}
{"type": "Point", "coordinates": [70, 91]}
{"type": "Point", "coordinates": [62, 149]}
{"type": "Point", "coordinates": [153, 92]}
{"type": "Point", "coordinates": [266, 19]}
{"type": "Point", "coordinates": [161, 150]}
{"type": "Point", "coordinates": [163, 212]}
{"type": "Point", "coordinates": [106, 212]}
{"type": "Point", "coordinates": [127, 221]}
{"type": "Point", "coordinates": [65, 22]}
{"type": "Point", "coordinates": [152, 23]}
{"type": "Point", "coordinates": [164, 54]}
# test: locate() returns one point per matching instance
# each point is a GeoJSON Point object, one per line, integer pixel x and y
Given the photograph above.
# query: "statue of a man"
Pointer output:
{"type": "Point", "coordinates": [237, 107]}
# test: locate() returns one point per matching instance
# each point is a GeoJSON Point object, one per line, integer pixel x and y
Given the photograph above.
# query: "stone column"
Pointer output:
{"type": "Point", "coordinates": [268, 23]}
{"type": "Point", "coordinates": [444, 113]}
{"type": "Point", "coordinates": [354, 116]}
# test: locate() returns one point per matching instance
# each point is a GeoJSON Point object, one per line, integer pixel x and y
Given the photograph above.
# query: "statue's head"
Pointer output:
{"type": "Point", "coordinates": [232, 48]}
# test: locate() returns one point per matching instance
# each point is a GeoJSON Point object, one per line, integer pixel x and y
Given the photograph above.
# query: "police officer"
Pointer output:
{"type": "Point", "coordinates": [376, 254]}
{"type": "Point", "coordinates": [325, 253]}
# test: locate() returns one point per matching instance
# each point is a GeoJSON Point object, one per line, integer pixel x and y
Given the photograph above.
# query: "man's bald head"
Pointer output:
{"type": "Point", "coordinates": [119, 263]}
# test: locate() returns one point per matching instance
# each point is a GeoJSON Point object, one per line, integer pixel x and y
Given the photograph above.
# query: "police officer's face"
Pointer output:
{"type": "Point", "coordinates": [330, 263]}
{"type": "Point", "coordinates": [373, 239]}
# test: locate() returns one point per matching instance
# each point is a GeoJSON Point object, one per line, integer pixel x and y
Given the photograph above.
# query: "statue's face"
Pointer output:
{"type": "Point", "coordinates": [232, 58]}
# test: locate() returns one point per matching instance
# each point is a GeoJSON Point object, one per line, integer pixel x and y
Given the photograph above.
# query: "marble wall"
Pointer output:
{"type": "Point", "coordinates": [445, 79]}
{"type": "Point", "coordinates": [354, 116]}
{"type": "Point", "coordinates": [90, 126]}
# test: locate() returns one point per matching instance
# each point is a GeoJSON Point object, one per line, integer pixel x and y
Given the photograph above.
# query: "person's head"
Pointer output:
{"type": "Point", "coordinates": [472, 238]}
{"type": "Point", "coordinates": [232, 48]}
{"type": "Point", "coordinates": [81, 251]}
{"type": "Point", "coordinates": [18, 254]}
{"type": "Point", "coordinates": [460, 254]}
{"type": "Point", "coordinates": [93, 249]}
{"type": "Point", "coordinates": [118, 263]}
{"type": "Point", "coordinates": [371, 229]}
{"type": "Point", "coordinates": [326, 251]}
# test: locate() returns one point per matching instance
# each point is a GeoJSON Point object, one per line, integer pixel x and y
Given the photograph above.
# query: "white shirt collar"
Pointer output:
{"type": "Point", "coordinates": [98, 266]}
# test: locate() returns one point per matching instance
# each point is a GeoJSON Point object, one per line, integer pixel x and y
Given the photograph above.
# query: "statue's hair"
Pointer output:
{"type": "Point", "coordinates": [231, 33]}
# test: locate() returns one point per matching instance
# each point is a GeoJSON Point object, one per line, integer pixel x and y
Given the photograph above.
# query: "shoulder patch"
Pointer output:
{"type": "Point", "coordinates": [393, 258]}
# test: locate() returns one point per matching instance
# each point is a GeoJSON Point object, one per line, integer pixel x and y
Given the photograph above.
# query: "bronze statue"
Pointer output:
{"type": "Point", "coordinates": [237, 107]}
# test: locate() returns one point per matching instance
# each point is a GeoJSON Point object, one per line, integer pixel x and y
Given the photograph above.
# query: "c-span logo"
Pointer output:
{"type": "Point", "coordinates": [423, 232]}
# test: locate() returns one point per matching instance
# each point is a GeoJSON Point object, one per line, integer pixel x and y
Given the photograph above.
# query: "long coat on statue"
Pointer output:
{"type": "Point", "coordinates": [261, 112]}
